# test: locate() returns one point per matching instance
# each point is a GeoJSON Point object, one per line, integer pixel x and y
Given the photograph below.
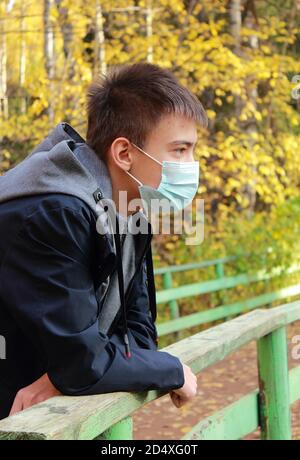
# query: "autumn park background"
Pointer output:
{"type": "Point", "coordinates": [240, 57]}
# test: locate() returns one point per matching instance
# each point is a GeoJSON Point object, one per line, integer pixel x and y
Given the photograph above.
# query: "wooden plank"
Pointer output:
{"type": "Point", "coordinates": [86, 417]}
{"type": "Point", "coordinates": [233, 422]}
{"type": "Point", "coordinates": [272, 356]}
{"type": "Point", "coordinates": [213, 314]}
{"type": "Point", "coordinates": [193, 289]}
{"type": "Point", "coordinates": [294, 387]}
{"type": "Point", "coordinates": [73, 417]}
{"type": "Point", "coordinates": [173, 305]}
{"type": "Point", "coordinates": [197, 265]}
{"type": "Point", "coordinates": [240, 418]}
{"type": "Point", "coordinates": [193, 266]}
{"type": "Point", "coordinates": [119, 431]}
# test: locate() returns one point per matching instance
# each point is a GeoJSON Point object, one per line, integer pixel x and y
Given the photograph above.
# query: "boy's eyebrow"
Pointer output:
{"type": "Point", "coordinates": [180, 142]}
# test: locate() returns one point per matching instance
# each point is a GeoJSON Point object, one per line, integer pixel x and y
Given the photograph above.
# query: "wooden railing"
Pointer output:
{"type": "Point", "coordinates": [109, 416]}
{"type": "Point", "coordinates": [170, 294]}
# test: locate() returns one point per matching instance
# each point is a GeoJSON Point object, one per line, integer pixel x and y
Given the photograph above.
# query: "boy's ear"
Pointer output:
{"type": "Point", "coordinates": [121, 153]}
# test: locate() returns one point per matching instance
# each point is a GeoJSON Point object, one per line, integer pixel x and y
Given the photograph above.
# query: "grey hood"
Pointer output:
{"type": "Point", "coordinates": [61, 163]}
{"type": "Point", "coordinates": [64, 163]}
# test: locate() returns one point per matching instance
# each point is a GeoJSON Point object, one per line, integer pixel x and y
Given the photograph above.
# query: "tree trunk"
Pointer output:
{"type": "Point", "coordinates": [22, 62]}
{"type": "Point", "coordinates": [49, 55]}
{"type": "Point", "coordinates": [248, 189]}
{"type": "Point", "coordinates": [66, 28]}
{"type": "Point", "coordinates": [149, 29]}
{"type": "Point", "coordinates": [3, 63]}
{"type": "Point", "coordinates": [99, 56]}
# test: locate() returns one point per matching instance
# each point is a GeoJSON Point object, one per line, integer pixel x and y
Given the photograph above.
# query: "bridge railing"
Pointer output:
{"type": "Point", "coordinates": [109, 416]}
{"type": "Point", "coordinates": [170, 294]}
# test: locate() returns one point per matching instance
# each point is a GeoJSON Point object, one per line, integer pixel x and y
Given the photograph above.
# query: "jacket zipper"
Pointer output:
{"type": "Point", "coordinates": [97, 197]}
{"type": "Point", "coordinates": [129, 288]}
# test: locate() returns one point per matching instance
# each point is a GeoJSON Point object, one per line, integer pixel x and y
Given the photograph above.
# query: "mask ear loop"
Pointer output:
{"type": "Point", "coordinates": [152, 158]}
{"type": "Point", "coordinates": [138, 181]}
{"type": "Point", "coordinates": [157, 161]}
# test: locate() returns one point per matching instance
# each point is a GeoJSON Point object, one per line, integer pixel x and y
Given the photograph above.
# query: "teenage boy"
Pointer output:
{"type": "Point", "coordinates": [77, 305]}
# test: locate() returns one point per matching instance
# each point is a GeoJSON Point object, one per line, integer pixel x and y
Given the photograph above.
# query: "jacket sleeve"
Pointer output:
{"type": "Point", "coordinates": [49, 281]}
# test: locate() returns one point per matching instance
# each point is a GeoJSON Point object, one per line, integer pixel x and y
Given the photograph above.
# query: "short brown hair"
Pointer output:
{"type": "Point", "coordinates": [129, 101]}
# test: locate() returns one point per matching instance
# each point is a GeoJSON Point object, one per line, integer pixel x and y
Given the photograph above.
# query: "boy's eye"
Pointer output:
{"type": "Point", "coordinates": [180, 151]}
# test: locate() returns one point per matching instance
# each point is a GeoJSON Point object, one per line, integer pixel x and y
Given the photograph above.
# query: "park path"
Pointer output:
{"type": "Point", "coordinates": [218, 386]}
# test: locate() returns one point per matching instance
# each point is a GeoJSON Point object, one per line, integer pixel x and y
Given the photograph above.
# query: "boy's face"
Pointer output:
{"type": "Point", "coordinates": [173, 139]}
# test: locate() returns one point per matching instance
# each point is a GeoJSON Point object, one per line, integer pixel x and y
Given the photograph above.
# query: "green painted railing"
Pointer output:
{"type": "Point", "coordinates": [109, 416]}
{"type": "Point", "coordinates": [170, 294]}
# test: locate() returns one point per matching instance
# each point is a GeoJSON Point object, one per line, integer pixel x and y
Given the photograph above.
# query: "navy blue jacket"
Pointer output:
{"type": "Point", "coordinates": [52, 264]}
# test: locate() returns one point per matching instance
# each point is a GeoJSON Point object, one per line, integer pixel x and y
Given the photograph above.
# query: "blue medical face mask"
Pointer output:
{"type": "Point", "coordinates": [179, 183]}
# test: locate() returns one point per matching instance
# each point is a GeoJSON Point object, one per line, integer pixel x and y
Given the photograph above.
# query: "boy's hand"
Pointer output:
{"type": "Point", "coordinates": [184, 394]}
{"type": "Point", "coordinates": [38, 391]}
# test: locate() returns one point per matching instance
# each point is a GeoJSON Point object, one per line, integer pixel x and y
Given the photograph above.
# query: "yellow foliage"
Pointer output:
{"type": "Point", "coordinates": [253, 136]}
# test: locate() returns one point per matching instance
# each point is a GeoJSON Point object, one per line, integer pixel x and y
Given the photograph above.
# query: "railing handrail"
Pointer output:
{"type": "Point", "coordinates": [225, 310]}
{"type": "Point", "coordinates": [194, 266]}
{"type": "Point", "coordinates": [203, 264]}
{"type": "Point", "coordinates": [66, 417]}
{"type": "Point", "coordinates": [225, 282]}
